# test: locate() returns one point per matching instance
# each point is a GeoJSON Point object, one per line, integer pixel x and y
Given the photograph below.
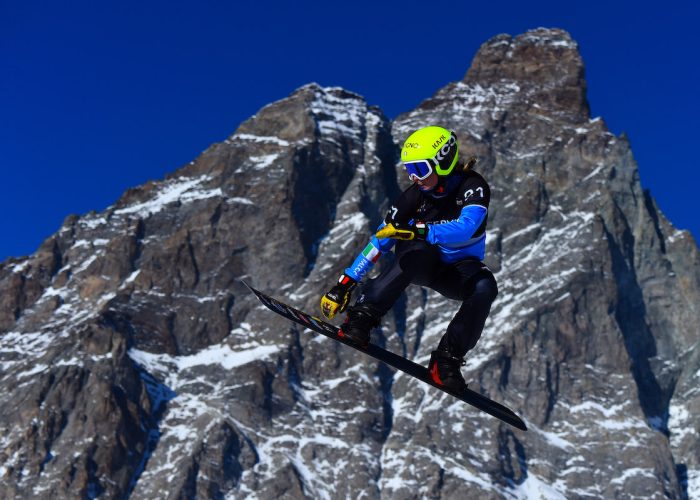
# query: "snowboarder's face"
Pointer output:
{"type": "Point", "coordinates": [428, 183]}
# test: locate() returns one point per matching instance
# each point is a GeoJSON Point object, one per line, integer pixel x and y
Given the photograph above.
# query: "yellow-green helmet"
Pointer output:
{"type": "Point", "coordinates": [436, 145]}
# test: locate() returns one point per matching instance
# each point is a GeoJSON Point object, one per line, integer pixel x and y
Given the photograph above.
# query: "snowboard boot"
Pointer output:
{"type": "Point", "coordinates": [358, 324]}
{"type": "Point", "coordinates": [445, 370]}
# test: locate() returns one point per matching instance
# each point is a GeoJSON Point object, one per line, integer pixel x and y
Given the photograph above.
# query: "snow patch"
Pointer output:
{"type": "Point", "coordinates": [694, 483]}
{"type": "Point", "coordinates": [552, 438]}
{"type": "Point", "coordinates": [522, 231]}
{"type": "Point", "coordinates": [262, 162]}
{"type": "Point", "coordinates": [535, 488]}
{"type": "Point", "coordinates": [339, 116]}
{"type": "Point", "coordinates": [679, 423]}
{"type": "Point", "coordinates": [677, 235]}
{"type": "Point", "coordinates": [242, 201]}
{"type": "Point", "coordinates": [183, 190]}
{"type": "Point", "coordinates": [221, 355]}
{"type": "Point", "coordinates": [93, 223]}
{"type": "Point", "coordinates": [19, 268]}
{"type": "Point", "coordinates": [634, 472]}
{"type": "Point", "coordinates": [593, 173]}
{"type": "Point", "coordinates": [261, 138]}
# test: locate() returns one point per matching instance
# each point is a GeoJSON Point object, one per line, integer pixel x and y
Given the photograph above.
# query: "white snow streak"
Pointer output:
{"type": "Point", "coordinates": [261, 138]}
{"type": "Point", "coordinates": [535, 488]}
{"type": "Point", "coordinates": [184, 190]}
{"type": "Point", "coordinates": [222, 355]}
{"type": "Point", "coordinates": [263, 162]}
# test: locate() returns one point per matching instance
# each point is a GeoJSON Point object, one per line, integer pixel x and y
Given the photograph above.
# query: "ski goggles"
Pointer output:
{"type": "Point", "coordinates": [418, 170]}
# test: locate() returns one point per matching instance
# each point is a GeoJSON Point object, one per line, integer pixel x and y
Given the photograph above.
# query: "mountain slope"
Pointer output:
{"type": "Point", "coordinates": [133, 361]}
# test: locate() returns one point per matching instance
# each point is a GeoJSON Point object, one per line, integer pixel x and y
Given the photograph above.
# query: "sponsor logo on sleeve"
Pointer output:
{"type": "Point", "coordinates": [361, 267]}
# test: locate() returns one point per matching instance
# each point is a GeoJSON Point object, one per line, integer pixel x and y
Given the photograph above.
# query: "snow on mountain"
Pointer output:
{"type": "Point", "coordinates": [133, 362]}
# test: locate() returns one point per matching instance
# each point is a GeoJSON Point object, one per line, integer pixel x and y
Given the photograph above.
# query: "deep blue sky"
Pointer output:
{"type": "Point", "coordinates": [95, 99]}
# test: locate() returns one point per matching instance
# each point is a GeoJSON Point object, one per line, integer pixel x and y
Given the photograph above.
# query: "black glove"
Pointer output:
{"type": "Point", "coordinates": [338, 297]}
{"type": "Point", "coordinates": [412, 231]}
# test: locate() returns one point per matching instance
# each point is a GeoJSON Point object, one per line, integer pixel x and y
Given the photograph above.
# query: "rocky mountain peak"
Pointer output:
{"type": "Point", "coordinates": [133, 361]}
{"type": "Point", "coordinates": [309, 111]}
{"type": "Point", "coordinates": [545, 63]}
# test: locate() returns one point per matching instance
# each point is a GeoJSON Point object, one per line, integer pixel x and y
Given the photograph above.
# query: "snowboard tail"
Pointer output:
{"type": "Point", "coordinates": [394, 360]}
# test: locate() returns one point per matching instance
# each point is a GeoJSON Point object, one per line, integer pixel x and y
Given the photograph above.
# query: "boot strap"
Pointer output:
{"type": "Point", "coordinates": [447, 355]}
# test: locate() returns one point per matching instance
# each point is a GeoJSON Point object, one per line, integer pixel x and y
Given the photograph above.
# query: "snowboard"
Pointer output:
{"type": "Point", "coordinates": [394, 360]}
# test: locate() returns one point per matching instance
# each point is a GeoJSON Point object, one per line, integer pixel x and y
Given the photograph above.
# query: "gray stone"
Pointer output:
{"type": "Point", "coordinates": [134, 362]}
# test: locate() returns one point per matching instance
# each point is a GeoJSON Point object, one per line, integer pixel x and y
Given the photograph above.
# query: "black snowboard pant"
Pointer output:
{"type": "Point", "coordinates": [469, 281]}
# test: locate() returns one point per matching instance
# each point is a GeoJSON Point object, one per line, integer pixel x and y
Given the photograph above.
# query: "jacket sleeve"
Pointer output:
{"type": "Point", "coordinates": [460, 230]}
{"type": "Point", "coordinates": [401, 210]}
{"type": "Point", "coordinates": [365, 261]}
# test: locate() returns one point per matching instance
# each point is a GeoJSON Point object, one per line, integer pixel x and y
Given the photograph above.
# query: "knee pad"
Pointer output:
{"type": "Point", "coordinates": [486, 288]}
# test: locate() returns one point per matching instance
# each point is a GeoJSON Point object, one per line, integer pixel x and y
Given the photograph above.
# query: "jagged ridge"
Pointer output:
{"type": "Point", "coordinates": [130, 323]}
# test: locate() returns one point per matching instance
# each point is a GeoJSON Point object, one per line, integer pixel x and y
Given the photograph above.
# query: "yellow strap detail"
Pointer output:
{"type": "Point", "coordinates": [389, 231]}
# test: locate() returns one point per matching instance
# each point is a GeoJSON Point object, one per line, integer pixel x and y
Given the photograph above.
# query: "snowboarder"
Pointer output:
{"type": "Point", "coordinates": [438, 226]}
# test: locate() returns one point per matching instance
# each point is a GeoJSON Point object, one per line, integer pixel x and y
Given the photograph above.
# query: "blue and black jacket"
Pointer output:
{"type": "Point", "coordinates": [455, 213]}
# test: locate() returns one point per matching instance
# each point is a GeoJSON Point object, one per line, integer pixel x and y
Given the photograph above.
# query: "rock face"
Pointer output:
{"type": "Point", "coordinates": [133, 361]}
